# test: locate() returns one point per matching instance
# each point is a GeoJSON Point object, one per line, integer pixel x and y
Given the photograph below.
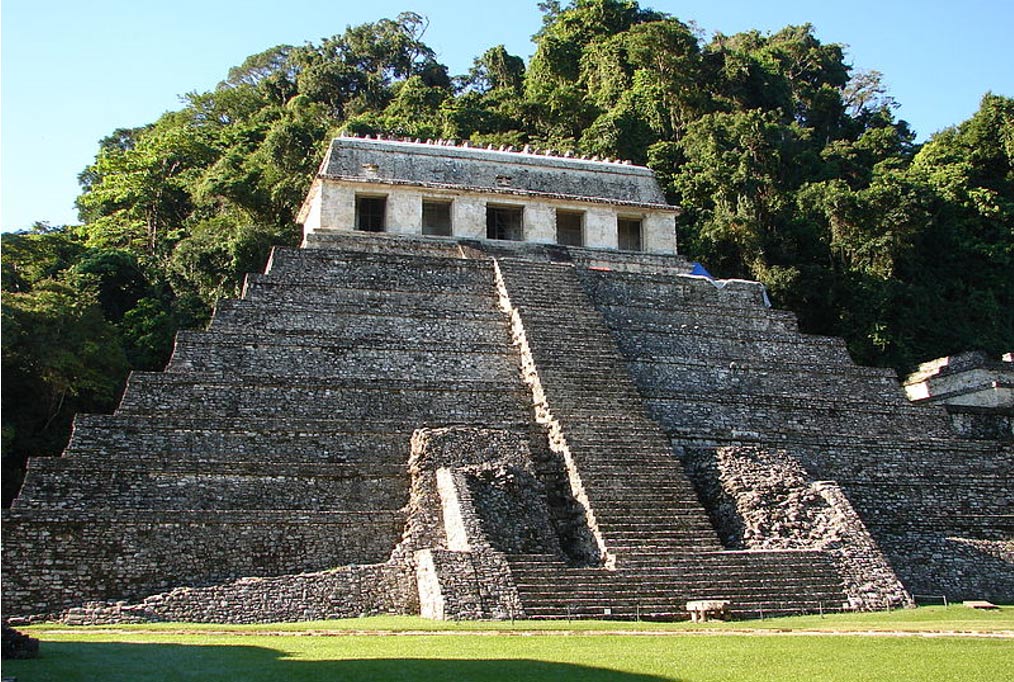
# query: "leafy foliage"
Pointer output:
{"type": "Point", "coordinates": [789, 165]}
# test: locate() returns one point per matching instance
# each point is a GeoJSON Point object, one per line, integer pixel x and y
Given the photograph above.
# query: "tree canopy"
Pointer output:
{"type": "Point", "coordinates": [790, 166]}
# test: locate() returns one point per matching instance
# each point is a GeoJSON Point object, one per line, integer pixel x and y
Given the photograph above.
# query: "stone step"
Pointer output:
{"type": "Point", "coordinates": [340, 295]}
{"type": "Point", "coordinates": [652, 545]}
{"type": "Point", "coordinates": [629, 261]}
{"type": "Point", "coordinates": [894, 458]}
{"type": "Point", "coordinates": [803, 585]}
{"type": "Point", "coordinates": [658, 377]}
{"type": "Point", "coordinates": [629, 549]}
{"type": "Point", "coordinates": [563, 399]}
{"type": "Point", "coordinates": [563, 580]}
{"type": "Point", "coordinates": [645, 487]}
{"type": "Point", "coordinates": [449, 276]}
{"type": "Point", "coordinates": [263, 298]}
{"type": "Point", "coordinates": [244, 316]}
{"type": "Point", "coordinates": [735, 348]}
{"type": "Point", "coordinates": [722, 416]}
{"type": "Point", "coordinates": [300, 263]}
{"type": "Point", "coordinates": [287, 259]}
{"type": "Point", "coordinates": [763, 397]}
{"type": "Point", "coordinates": [56, 483]}
{"type": "Point", "coordinates": [582, 378]}
{"type": "Point", "coordinates": [349, 240]}
{"type": "Point", "coordinates": [650, 522]}
{"type": "Point", "coordinates": [679, 589]}
{"type": "Point", "coordinates": [385, 436]}
{"type": "Point", "coordinates": [397, 331]}
{"type": "Point", "coordinates": [384, 357]}
{"type": "Point", "coordinates": [229, 395]}
{"type": "Point", "coordinates": [770, 602]}
{"type": "Point", "coordinates": [615, 288]}
{"type": "Point", "coordinates": [748, 560]}
{"type": "Point", "coordinates": [649, 511]}
{"type": "Point", "coordinates": [627, 497]}
{"type": "Point", "coordinates": [632, 530]}
{"type": "Point", "coordinates": [607, 364]}
{"type": "Point", "coordinates": [632, 314]}
{"type": "Point", "coordinates": [682, 569]}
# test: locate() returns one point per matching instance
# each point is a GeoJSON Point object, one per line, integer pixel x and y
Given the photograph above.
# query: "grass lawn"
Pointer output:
{"type": "Point", "coordinates": [459, 652]}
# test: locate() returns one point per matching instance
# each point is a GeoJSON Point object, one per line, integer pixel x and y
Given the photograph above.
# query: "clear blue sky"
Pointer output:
{"type": "Point", "coordinates": [74, 70]}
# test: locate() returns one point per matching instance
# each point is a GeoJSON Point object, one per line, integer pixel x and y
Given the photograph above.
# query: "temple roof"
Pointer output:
{"type": "Point", "coordinates": [447, 165]}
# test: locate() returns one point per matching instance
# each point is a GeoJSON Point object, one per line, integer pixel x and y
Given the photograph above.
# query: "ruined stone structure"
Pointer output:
{"type": "Point", "coordinates": [977, 391]}
{"type": "Point", "coordinates": [473, 428]}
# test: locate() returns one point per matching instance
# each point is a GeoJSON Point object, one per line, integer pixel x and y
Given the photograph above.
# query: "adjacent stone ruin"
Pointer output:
{"type": "Point", "coordinates": [464, 428]}
{"type": "Point", "coordinates": [976, 390]}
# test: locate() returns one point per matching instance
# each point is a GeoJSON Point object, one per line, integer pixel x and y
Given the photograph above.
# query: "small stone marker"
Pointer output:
{"type": "Point", "coordinates": [979, 604]}
{"type": "Point", "coordinates": [702, 608]}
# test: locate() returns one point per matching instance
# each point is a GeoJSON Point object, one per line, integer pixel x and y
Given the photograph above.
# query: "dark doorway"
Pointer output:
{"type": "Point", "coordinates": [436, 218]}
{"type": "Point", "coordinates": [569, 228]}
{"type": "Point", "coordinates": [370, 213]}
{"type": "Point", "coordinates": [628, 234]}
{"type": "Point", "coordinates": [505, 222]}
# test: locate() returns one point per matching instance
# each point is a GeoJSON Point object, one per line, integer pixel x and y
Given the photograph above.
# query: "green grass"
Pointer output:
{"type": "Point", "coordinates": [926, 618]}
{"type": "Point", "coordinates": [461, 652]}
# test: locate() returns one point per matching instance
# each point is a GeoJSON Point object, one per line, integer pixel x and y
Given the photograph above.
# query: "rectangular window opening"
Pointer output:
{"type": "Point", "coordinates": [436, 218]}
{"type": "Point", "coordinates": [628, 234]}
{"type": "Point", "coordinates": [505, 222]}
{"type": "Point", "coordinates": [570, 228]}
{"type": "Point", "coordinates": [371, 213]}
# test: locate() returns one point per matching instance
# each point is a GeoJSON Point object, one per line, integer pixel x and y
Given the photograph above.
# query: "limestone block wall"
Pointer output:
{"type": "Point", "coordinates": [334, 204]}
{"type": "Point", "coordinates": [404, 212]}
{"type": "Point", "coordinates": [468, 217]}
{"type": "Point", "coordinates": [332, 208]}
{"type": "Point", "coordinates": [60, 558]}
{"type": "Point", "coordinates": [540, 224]}
{"type": "Point", "coordinates": [715, 374]}
{"type": "Point", "coordinates": [303, 487]}
{"type": "Point", "coordinates": [275, 443]}
{"type": "Point", "coordinates": [982, 424]}
{"type": "Point", "coordinates": [466, 586]}
{"type": "Point", "coordinates": [490, 503]}
{"type": "Point", "coordinates": [763, 499]}
{"type": "Point", "coordinates": [600, 228]}
{"type": "Point", "coordinates": [200, 442]}
{"type": "Point", "coordinates": [659, 233]}
{"type": "Point", "coordinates": [346, 592]}
{"type": "Point", "coordinates": [977, 391]}
{"type": "Point", "coordinates": [972, 379]}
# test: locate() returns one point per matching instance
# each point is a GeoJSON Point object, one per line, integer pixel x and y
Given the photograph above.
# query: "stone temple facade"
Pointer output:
{"type": "Point", "coordinates": [443, 190]}
{"type": "Point", "coordinates": [487, 387]}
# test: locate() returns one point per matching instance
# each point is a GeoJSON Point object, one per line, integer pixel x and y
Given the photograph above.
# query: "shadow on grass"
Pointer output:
{"type": "Point", "coordinates": [118, 661]}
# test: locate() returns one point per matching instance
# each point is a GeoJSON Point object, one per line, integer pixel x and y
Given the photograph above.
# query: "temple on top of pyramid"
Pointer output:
{"type": "Point", "coordinates": [447, 190]}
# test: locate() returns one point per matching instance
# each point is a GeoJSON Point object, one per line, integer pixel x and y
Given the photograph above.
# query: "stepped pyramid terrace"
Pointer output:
{"type": "Point", "coordinates": [487, 386]}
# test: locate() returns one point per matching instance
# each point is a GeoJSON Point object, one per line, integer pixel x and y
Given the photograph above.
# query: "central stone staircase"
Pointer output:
{"type": "Point", "coordinates": [659, 549]}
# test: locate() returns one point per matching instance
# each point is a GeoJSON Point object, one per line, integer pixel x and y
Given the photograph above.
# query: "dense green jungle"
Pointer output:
{"type": "Point", "coordinates": [790, 166]}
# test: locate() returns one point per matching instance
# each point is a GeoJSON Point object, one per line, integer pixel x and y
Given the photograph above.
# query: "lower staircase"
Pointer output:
{"type": "Point", "coordinates": [757, 585]}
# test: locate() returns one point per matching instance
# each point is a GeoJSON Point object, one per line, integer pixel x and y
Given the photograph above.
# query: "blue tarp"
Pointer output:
{"type": "Point", "coordinates": [699, 270]}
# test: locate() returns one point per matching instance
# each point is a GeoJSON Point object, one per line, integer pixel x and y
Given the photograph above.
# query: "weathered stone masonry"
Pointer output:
{"type": "Point", "coordinates": [500, 429]}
